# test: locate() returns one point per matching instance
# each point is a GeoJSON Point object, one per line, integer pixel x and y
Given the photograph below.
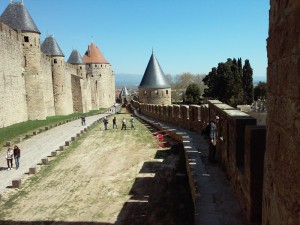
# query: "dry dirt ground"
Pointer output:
{"type": "Point", "coordinates": [109, 176]}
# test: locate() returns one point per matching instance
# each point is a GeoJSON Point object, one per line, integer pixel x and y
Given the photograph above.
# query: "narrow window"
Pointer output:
{"type": "Point", "coordinates": [167, 92]}
{"type": "Point", "coordinates": [95, 65]}
{"type": "Point", "coordinates": [25, 61]}
{"type": "Point", "coordinates": [80, 67]}
{"type": "Point", "coordinates": [145, 92]}
{"type": "Point", "coordinates": [55, 61]}
{"type": "Point", "coordinates": [96, 85]}
{"type": "Point", "coordinates": [26, 39]}
{"type": "Point", "coordinates": [156, 92]}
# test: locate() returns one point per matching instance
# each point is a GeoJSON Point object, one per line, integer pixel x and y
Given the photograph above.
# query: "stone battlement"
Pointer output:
{"type": "Point", "coordinates": [240, 144]}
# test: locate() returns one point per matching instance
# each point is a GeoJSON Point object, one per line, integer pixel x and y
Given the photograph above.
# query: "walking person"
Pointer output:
{"type": "Point", "coordinates": [17, 155]}
{"type": "Point", "coordinates": [9, 158]}
{"type": "Point", "coordinates": [83, 120]}
{"type": "Point", "coordinates": [123, 123]}
{"type": "Point", "coordinates": [132, 122]}
{"type": "Point", "coordinates": [213, 140]}
{"type": "Point", "coordinates": [115, 123]}
{"type": "Point", "coordinates": [105, 121]}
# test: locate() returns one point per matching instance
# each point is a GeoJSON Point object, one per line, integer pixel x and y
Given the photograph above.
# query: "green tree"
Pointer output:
{"type": "Point", "coordinates": [193, 94]}
{"type": "Point", "coordinates": [225, 82]}
{"type": "Point", "coordinates": [247, 82]}
{"type": "Point", "coordinates": [260, 91]}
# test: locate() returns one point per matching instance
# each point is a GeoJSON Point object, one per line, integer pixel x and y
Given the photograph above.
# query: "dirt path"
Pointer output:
{"type": "Point", "coordinates": [108, 177]}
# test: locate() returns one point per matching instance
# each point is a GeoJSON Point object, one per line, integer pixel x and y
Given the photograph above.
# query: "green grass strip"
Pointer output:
{"type": "Point", "coordinates": [10, 133]}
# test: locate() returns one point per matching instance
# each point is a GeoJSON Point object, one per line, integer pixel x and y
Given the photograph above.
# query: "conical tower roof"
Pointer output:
{"type": "Point", "coordinates": [124, 92]}
{"type": "Point", "coordinates": [154, 76]}
{"type": "Point", "coordinates": [94, 55]}
{"type": "Point", "coordinates": [75, 58]}
{"type": "Point", "coordinates": [17, 17]}
{"type": "Point", "coordinates": [50, 47]}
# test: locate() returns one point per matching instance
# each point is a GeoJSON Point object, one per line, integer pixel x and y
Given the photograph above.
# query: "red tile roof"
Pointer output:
{"type": "Point", "coordinates": [94, 55]}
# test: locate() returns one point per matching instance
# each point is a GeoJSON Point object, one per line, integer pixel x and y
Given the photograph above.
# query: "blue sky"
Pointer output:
{"type": "Point", "coordinates": [187, 35]}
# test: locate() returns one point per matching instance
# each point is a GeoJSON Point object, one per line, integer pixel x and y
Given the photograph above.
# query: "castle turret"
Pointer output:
{"type": "Point", "coordinates": [81, 88]}
{"type": "Point", "coordinates": [61, 81]}
{"type": "Point", "coordinates": [124, 95]}
{"type": "Point", "coordinates": [102, 78]}
{"type": "Point", "coordinates": [154, 87]}
{"type": "Point", "coordinates": [18, 18]}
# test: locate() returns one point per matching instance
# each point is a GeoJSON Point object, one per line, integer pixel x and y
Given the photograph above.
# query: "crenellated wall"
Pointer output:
{"type": "Point", "coordinates": [240, 144]}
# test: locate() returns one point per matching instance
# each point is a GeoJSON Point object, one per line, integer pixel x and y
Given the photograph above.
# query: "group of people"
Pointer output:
{"type": "Point", "coordinates": [114, 122]}
{"type": "Point", "coordinates": [13, 153]}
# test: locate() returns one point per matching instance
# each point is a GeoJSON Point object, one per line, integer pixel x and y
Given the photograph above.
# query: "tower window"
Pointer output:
{"type": "Point", "coordinates": [95, 65]}
{"type": "Point", "coordinates": [145, 92]}
{"type": "Point", "coordinates": [156, 92]}
{"type": "Point", "coordinates": [167, 92]}
{"type": "Point", "coordinates": [26, 39]}
{"type": "Point", "coordinates": [55, 61]}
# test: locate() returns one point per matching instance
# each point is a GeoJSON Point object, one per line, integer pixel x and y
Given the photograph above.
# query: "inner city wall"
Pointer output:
{"type": "Point", "coordinates": [240, 146]}
{"type": "Point", "coordinates": [35, 86]}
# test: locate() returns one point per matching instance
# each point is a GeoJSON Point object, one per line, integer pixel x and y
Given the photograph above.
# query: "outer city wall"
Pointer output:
{"type": "Point", "coordinates": [12, 81]}
{"type": "Point", "coordinates": [240, 148]}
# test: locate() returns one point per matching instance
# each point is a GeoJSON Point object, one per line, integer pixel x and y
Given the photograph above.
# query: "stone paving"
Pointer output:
{"type": "Point", "coordinates": [40, 146]}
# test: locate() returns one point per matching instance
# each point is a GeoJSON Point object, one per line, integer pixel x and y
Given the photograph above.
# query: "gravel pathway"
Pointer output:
{"type": "Point", "coordinates": [40, 146]}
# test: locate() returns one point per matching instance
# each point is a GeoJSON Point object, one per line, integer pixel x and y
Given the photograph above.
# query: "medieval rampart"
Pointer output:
{"type": "Point", "coordinates": [240, 148]}
{"type": "Point", "coordinates": [48, 86]}
{"type": "Point", "coordinates": [13, 105]}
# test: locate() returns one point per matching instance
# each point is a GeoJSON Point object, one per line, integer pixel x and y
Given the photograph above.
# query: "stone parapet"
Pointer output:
{"type": "Point", "coordinates": [240, 145]}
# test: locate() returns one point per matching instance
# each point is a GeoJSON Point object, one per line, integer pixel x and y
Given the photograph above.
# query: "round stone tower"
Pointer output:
{"type": "Point", "coordinates": [154, 87]}
{"type": "Point", "coordinates": [61, 81]}
{"type": "Point", "coordinates": [81, 88]}
{"type": "Point", "coordinates": [17, 17]}
{"type": "Point", "coordinates": [102, 78]}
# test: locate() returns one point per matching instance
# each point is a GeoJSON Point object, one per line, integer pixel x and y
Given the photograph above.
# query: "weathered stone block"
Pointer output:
{"type": "Point", "coordinates": [53, 154]}
{"type": "Point", "coordinates": [45, 161]}
{"type": "Point", "coordinates": [32, 170]}
{"type": "Point", "coordinates": [61, 148]}
{"type": "Point", "coordinates": [8, 143]}
{"type": "Point", "coordinates": [68, 143]}
{"type": "Point", "coordinates": [16, 183]}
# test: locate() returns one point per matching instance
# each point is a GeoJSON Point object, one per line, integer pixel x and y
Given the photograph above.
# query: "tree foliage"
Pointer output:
{"type": "Point", "coordinates": [180, 83]}
{"type": "Point", "coordinates": [260, 91]}
{"type": "Point", "coordinates": [230, 82]}
{"type": "Point", "coordinates": [193, 94]}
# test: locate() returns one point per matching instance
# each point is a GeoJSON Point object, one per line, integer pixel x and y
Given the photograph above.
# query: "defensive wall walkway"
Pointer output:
{"type": "Point", "coordinates": [214, 199]}
{"type": "Point", "coordinates": [35, 150]}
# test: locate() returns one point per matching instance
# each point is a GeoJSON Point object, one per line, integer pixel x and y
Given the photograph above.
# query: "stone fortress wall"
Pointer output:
{"type": "Point", "coordinates": [35, 86]}
{"type": "Point", "coordinates": [13, 104]}
{"type": "Point", "coordinates": [240, 148]}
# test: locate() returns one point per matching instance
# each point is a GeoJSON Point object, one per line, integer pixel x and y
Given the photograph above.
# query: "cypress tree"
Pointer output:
{"type": "Point", "coordinates": [247, 82]}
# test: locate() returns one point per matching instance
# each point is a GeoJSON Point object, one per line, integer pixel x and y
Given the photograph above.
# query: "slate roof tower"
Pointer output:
{"type": "Point", "coordinates": [18, 18]}
{"type": "Point", "coordinates": [100, 72]}
{"type": "Point", "coordinates": [61, 81]}
{"type": "Point", "coordinates": [154, 87]}
{"type": "Point", "coordinates": [81, 85]}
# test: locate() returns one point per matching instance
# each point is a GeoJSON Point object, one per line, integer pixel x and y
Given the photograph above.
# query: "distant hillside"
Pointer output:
{"type": "Point", "coordinates": [129, 80]}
